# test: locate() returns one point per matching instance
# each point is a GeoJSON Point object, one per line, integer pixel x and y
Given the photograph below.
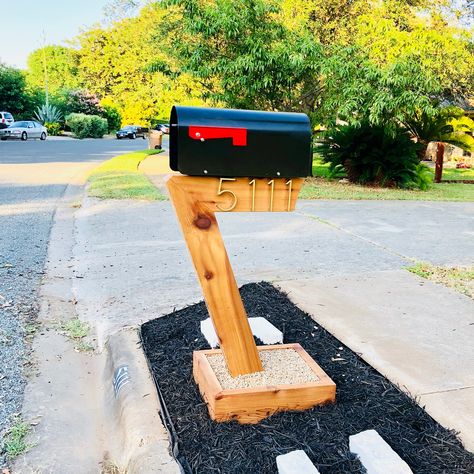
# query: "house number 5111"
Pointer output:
{"type": "Point", "coordinates": [253, 183]}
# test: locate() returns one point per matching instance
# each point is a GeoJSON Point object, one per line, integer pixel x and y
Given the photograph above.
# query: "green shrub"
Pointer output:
{"type": "Point", "coordinates": [87, 126]}
{"type": "Point", "coordinates": [423, 177]}
{"type": "Point", "coordinates": [114, 119]}
{"type": "Point", "coordinates": [372, 155]}
{"type": "Point", "coordinates": [54, 128]}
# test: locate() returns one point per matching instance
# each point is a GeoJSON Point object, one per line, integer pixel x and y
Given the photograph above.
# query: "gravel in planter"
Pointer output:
{"type": "Point", "coordinates": [280, 367]}
{"type": "Point", "coordinates": [364, 400]}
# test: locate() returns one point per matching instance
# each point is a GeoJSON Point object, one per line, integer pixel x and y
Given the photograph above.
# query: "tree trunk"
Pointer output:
{"type": "Point", "coordinates": [439, 163]}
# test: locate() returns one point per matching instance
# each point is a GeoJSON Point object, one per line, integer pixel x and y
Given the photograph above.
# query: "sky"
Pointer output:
{"type": "Point", "coordinates": [22, 23]}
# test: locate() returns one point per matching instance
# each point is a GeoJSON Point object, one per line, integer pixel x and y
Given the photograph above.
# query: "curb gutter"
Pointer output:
{"type": "Point", "coordinates": [140, 441]}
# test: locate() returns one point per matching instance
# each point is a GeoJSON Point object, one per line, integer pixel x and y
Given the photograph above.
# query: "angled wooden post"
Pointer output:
{"type": "Point", "coordinates": [196, 199]}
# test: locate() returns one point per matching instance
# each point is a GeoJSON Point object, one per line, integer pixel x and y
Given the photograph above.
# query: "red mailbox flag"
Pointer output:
{"type": "Point", "coordinates": [238, 135]}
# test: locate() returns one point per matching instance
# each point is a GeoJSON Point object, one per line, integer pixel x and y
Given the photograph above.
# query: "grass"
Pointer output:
{"type": "Point", "coordinates": [108, 467]}
{"type": "Point", "coordinates": [119, 178]}
{"type": "Point", "coordinates": [14, 442]}
{"type": "Point", "coordinates": [320, 188]}
{"type": "Point", "coordinates": [321, 169]}
{"type": "Point", "coordinates": [323, 186]}
{"type": "Point", "coordinates": [459, 278]}
{"type": "Point", "coordinates": [76, 331]}
{"type": "Point", "coordinates": [462, 173]}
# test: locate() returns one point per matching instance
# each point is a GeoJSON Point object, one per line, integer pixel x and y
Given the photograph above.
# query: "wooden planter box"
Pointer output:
{"type": "Point", "coordinates": [250, 405]}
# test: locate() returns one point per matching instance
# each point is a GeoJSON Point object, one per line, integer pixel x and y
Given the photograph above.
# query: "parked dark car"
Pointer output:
{"type": "Point", "coordinates": [132, 131]}
{"type": "Point", "coordinates": [163, 127]}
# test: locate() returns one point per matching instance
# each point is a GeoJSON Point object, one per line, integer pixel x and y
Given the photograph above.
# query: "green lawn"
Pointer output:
{"type": "Point", "coordinates": [453, 173]}
{"type": "Point", "coordinates": [320, 169]}
{"type": "Point", "coordinates": [324, 187]}
{"type": "Point", "coordinates": [119, 178]}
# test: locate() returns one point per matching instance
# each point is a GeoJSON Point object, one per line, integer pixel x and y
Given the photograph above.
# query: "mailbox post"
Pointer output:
{"type": "Point", "coordinates": [235, 161]}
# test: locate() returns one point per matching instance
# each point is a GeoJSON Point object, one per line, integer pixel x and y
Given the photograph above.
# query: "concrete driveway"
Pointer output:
{"type": "Point", "coordinates": [151, 272]}
{"type": "Point", "coordinates": [438, 232]}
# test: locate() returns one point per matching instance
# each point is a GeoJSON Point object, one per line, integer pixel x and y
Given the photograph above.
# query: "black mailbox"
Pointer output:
{"type": "Point", "coordinates": [236, 143]}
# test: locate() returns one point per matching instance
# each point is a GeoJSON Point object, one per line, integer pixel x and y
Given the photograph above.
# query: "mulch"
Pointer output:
{"type": "Point", "coordinates": [365, 400]}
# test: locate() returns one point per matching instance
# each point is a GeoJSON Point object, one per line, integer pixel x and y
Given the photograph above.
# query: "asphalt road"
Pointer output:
{"type": "Point", "coordinates": [71, 151]}
{"type": "Point", "coordinates": [33, 177]}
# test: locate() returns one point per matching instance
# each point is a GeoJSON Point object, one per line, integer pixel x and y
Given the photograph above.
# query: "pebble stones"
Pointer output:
{"type": "Point", "coordinates": [280, 367]}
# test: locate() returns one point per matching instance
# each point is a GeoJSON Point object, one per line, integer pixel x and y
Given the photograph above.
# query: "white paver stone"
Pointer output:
{"type": "Point", "coordinates": [260, 327]}
{"type": "Point", "coordinates": [295, 462]}
{"type": "Point", "coordinates": [265, 331]}
{"type": "Point", "coordinates": [207, 330]}
{"type": "Point", "coordinates": [376, 454]}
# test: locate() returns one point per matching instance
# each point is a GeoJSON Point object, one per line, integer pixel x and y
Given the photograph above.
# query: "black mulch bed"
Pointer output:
{"type": "Point", "coordinates": [365, 400]}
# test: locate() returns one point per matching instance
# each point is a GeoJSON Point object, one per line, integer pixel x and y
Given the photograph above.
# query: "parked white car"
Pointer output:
{"type": "Point", "coordinates": [23, 130]}
{"type": "Point", "coordinates": [6, 119]}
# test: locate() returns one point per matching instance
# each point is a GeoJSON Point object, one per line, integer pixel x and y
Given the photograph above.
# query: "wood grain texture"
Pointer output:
{"type": "Point", "coordinates": [251, 405]}
{"type": "Point", "coordinates": [196, 199]}
{"type": "Point", "coordinates": [205, 244]}
{"type": "Point", "coordinates": [205, 191]}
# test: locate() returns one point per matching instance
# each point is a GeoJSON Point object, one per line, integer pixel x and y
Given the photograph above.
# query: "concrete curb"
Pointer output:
{"type": "Point", "coordinates": [139, 440]}
{"type": "Point", "coordinates": [60, 138]}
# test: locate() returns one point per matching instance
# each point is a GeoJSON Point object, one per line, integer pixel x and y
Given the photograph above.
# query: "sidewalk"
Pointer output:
{"type": "Point", "coordinates": [416, 333]}
{"type": "Point", "coordinates": [117, 264]}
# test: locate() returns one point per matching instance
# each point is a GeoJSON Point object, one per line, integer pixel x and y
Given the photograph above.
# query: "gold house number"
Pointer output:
{"type": "Point", "coordinates": [253, 183]}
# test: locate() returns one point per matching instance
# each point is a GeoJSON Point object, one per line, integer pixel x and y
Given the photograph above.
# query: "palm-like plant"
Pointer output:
{"type": "Point", "coordinates": [448, 125]}
{"type": "Point", "coordinates": [373, 154]}
{"type": "Point", "coordinates": [48, 114]}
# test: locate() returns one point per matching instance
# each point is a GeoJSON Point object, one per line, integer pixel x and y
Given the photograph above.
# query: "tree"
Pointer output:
{"type": "Point", "coordinates": [116, 10]}
{"type": "Point", "coordinates": [12, 89]}
{"type": "Point", "coordinates": [372, 47]}
{"type": "Point", "coordinates": [14, 95]}
{"type": "Point", "coordinates": [349, 59]}
{"type": "Point", "coordinates": [447, 124]}
{"type": "Point", "coordinates": [82, 102]}
{"type": "Point", "coordinates": [356, 89]}
{"type": "Point", "coordinates": [329, 21]}
{"type": "Point", "coordinates": [241, 53]}
{"type": "Point", "coordinates": [61, 68]}
{"type": "Point", "coordinates": [390, 33]}
{"type": "Point", "coordinates": [114, 65]}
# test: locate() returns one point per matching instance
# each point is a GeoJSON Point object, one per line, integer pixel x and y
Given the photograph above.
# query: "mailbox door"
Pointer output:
{"type": "Point", "coordinates": [233, 143]}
